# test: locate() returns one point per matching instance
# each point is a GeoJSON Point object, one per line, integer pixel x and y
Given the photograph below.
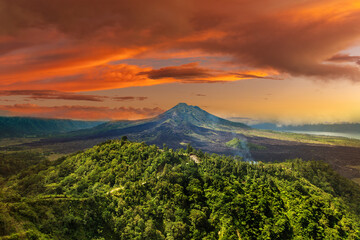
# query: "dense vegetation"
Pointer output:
{"type": "Point", "coordinates": [126, 190]}
{"type": "Point", "coordinates": [33, 127]}
{"type": "Point", "coordinates": [13, 162]}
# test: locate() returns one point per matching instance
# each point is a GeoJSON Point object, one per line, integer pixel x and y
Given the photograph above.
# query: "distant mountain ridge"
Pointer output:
{"type": "Point", "coordinates": [35, 127]}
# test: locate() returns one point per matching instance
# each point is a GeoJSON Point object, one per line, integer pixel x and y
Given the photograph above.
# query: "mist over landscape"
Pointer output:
{"type": "Point", "coordinates": [179, 119]}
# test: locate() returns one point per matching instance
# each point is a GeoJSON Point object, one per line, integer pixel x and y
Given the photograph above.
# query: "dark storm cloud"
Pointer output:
{"type": "Point", "coordinates": [187, 71]}
{"type": "Point", "coordinates": [129, 98]}
{"type": "Point", "coordinates": [345, 58]}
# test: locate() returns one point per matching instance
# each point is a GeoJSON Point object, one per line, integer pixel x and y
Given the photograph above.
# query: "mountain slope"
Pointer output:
{"type": "Point", "coordinates": [186, 114]}
{"type": "Point", "coordinates": [34, 127]}
{"type": "Point", "coordinates": [180, 116]}
{"type": "Point", "coordinates": [125, 190]}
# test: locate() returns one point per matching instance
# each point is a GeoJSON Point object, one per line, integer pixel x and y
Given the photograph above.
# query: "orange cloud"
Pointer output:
{"type": "Point", "coordinates": [192, 73]}
{"type": "Point", "coordinates": [95, 78]}
{"type": "Point", "coordinates": [69, 45]}
{"type": "Point", "coordinates": [123, 75]}
{"type": "Point", "coordinates": [80, 112]}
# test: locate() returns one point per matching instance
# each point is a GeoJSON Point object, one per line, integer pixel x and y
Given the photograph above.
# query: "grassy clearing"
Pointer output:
{"type": "Point", "coordinates": [357, 167]}
{"type": "Point", "coordinates": [55, 156]}
{"type": "Point", "coordinates": [356, 180]}
{"type": "Point", "coordinates": [6, 142]}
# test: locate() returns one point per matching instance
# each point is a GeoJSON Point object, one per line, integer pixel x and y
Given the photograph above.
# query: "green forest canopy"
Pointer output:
{"type": "Point", "coordinates": [129, 190]}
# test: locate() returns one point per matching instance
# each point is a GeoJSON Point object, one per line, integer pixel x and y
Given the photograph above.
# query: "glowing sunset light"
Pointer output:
{"type": "Point", "coordinates": [157, 49]}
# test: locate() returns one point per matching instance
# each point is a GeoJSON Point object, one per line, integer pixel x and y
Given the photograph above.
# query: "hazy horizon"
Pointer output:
{"type": "Point", "coordinates": [245, 120]}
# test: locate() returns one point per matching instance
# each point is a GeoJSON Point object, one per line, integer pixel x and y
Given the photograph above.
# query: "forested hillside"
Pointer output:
{"type": "Point", "coordinates": [34, 127]}
{"type": "Point", "coordinates": [129, 190]}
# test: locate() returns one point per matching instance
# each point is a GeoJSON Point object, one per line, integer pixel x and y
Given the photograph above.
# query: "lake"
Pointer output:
{"type": "Point", "coordinates": [334, 134]}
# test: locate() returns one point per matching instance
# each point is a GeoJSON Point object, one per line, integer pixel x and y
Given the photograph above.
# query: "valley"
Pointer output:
{"type": "Point", "coordinates": [185, 124]}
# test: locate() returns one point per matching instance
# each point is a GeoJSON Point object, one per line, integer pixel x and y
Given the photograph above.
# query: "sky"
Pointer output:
{"type": "Point", "coordinates": [287, 61]}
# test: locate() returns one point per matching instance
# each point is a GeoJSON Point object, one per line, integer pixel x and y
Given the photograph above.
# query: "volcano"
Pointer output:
{"type": "Point", "coordinates": [179, 126]}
